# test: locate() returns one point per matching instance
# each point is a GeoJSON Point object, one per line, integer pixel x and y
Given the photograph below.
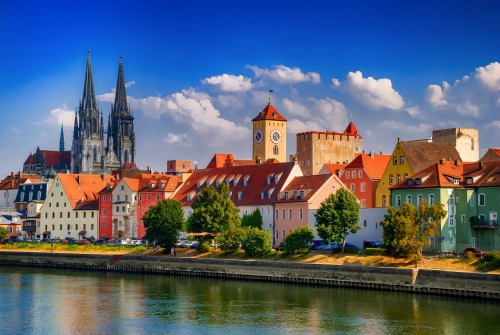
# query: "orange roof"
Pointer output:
{"type": "Point", "coordinates": [256, 191]}
{"type": "Point", "coordinates": [373, 166]}
{"type": "Point", "coordinates": [13, 182]}
{"type": "Point", "coordinates": [269, 113]}
{"type": "Point", "coordinates": [224, 160]}
{"type": "Point", "coordinates": [309, 184]}
{"type": "Point", "coordinates": [80, 188]}
{"type": "Point", "coordinates": [496, 151]}
{"type": "Point", "coordinates": [335, 168]}
{"type": "Point", "coordinates": [352, 130]}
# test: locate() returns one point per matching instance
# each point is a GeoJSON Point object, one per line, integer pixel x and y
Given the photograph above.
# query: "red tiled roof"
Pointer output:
{"type": "Point", "coordinates": [352, 130]}
{"type": "Point", "coordinates": [10, 183]}
{"type": "Point", "coordinates": [335, 168]}
{"type": "Point", "coordinates": [269, 113]}
{"type": "Point", "coordinates": [483, 174]}
{"type": "Point", "coordinates": [84, 187]}
{"type": "Point", "coordinates": [251, 193]}
{"type": "Point", "coordinates": [309, 184]}
{"type": "Point", "coordinates": [54, 158]}
{"type": "Point", "coordinates": [225, 160]}
{"type": "Point", "coordinates": [374, 167]}
{"type": "Point", "coordinates": [30, 160]}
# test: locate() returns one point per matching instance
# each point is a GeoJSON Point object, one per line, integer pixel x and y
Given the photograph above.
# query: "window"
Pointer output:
{"type": "Point", "coordinates": [84, 226]}
{"type": "Point", "coordinates": [109, 198]}
{"type": "Point", "coordinates": [60, 227]}
{"type": "Point", "coordinates": [135, 197]}
{"type": "Point", "coordinates": [395, 160]}
{"type": "Point", "coordinates": [457, 200]}
{"type": "Point", "coordinates": [76, 226]}
{"type": "Point", "coordinates": [92, 215]}
{"type": "Point", "coordinates": [406, 176]}
{"type": "Point", "coordinates": [290, 214]}
{"type": "Point", "coordinates": [482, 199]}
{"type": "Point", "coordinates": [420, 198]}
{"type": "Point", "coordinates": [123, 208]}
{"type": "Point", "coordinates": [408, 199]}
{"type": "Point", "coordinates": [398, 178]}
{"type": "Point", "coordinates": [60, 215]}
{"type": "Point", "coordinates": [462, 218]}
{"type": "Point", "coordinates": [452, 201]}
{"type": "Point", "coordinates": [277, 234]}
{"type": "Point", "coordinates": [117, 198]}
{"type": "Point", "coordinates": [391, 179]}
{"type": "Point", "coordinates": [104, 198]}
{"type": "Point", "coordinates": [286, 195]}
{"type": "Point", "coordinates": [277, 215]}
{"type": "Point", "coordinates": [363, 187]}
{"type": "Point", "coordinates": [401, 159]}
{"type": "Point", "coordinates": [283, 214]}
{"type": "Point", "coordinates": [451, 221]}
{"type": "Point", "coordinates": [84, 215]}
{"type": "Point", "coordinates": [149, 196]}
{"type": "Point", "coordinates": [353, 175]}
{"type": "Point", "coordinates": [76, 215]}
{"type": "Point", "coordinates": [140, 196]}
{"type": "Point", "coordinates": [123, 187]}
{"type": "Point", "coordinates": [126, 197]}
{"type": "Point", "coordinates": [360, 173]}
{"type": "Point", "coordinates": [431, 199]}
{"type": "Point", "coordinates": [69, 227]}
{"type": "Point", "coordinates": [352, 188]}
{"type": "Point", "coordinates": [362, 203]}
{"type": "Point", "coordinates": [384, 201]}
{"type": "Point", "coordinates": [347, 175]}
{"type": "Point", "coordinates": [104, 224]}
{"type": "Point", "coordinates": [10, 229]}
{"type": "Point", "coordinates": [432, 241]}
{"type": "Point", "coordinates": [117, 209]}
{"type": "Point", "coordinates": [398, 200]}
{"type": "Point", "coordinates": [300, 214]}
{"type": "Point", "coordinates": [364, 223]}
{"type": "Point", "coordinates": [472, 200]}
{"type": "Point", "coordinates": [157, 197]}
{"type": "Point", "coordinates": [53, 215]}
{"type": "Point", "coordinates": [284, 233]}
{"type": "Point", "coordinates": [473, 241]}
{"type": "Point", "coordinates": [91, 226]}
{"type": "Point", "coordinates": [104, 211]}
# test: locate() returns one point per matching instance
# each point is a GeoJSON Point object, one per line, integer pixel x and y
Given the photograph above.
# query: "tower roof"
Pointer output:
{"type": "Point", "coordinates": [269, 113]}
{"type": "Point", "coordinates": [121, 106]}
{"type": "Point", "coordinates": [352, 130]}
{"type": "Point", "coordinates": [89, 100]}
{"type": "Point", "coordinates": [61, 140]}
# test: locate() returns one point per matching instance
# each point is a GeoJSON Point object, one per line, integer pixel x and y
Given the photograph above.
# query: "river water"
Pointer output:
{"type": "Point", "coordinates": [51, 301]}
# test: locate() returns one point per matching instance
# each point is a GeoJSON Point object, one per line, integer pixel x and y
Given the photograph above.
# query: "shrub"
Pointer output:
{"type": "Point", "coordinates": [470, 255]}
{"type": "Point", "coordinates": [298, 240]}
{"type": "Point", "coordinates": [375, 251]}
{"type": "Point", "coordinates": [203, 247]}
{"type": "Point", "coordinates": [230, 240]}
{"type": "Point", "coordinates": [489, 262]}
{"type": "Point", "coordinates": [256, 242]}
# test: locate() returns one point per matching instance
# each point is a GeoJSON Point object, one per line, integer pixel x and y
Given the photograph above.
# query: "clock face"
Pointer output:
{"type": "Point", "coordinates": [258, 136]}
{"type": "Point", "coordinates": [276, 136]}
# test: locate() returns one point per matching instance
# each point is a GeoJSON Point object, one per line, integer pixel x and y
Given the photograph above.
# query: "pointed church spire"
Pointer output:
{"type": "Point", "coordinates": [75, 128]}
{"type": "Point", "coordinates": [89, 99]}
{"type": "Point", "coordinates": [61, 139]}
{"type": "Point", "coordinates": [121, 106]}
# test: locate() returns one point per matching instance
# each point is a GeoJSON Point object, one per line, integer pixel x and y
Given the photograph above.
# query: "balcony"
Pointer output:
{"type": "Point", "coordinates": [29, 228]}
{"type": "Point", "coordinates": [484, 224]}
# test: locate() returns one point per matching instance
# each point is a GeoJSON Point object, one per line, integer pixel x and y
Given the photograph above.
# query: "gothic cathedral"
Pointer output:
{"type": "Point", "coordinates": [90, 153]}
{"type": "Point", "coordinates": [269, 135]}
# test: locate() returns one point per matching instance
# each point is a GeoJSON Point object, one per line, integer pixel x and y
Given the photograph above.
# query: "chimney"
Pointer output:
{"type": "Point", "coordinates": [442, 160]}
{"type": "Point", "coordinates": [295, 160]}
{"type": "Point", "coordinates": [457, 162]}
{"type": "Point", "coordinates": [20, 174]}
{"type": "Point", "coordinates": [372, 154]}
{"type": "Point", "coordinates": [12, 174]}
{"type": "Point", "coordinates": [196, 167]}
{"type": "Point", "coordinates": [257, 160]}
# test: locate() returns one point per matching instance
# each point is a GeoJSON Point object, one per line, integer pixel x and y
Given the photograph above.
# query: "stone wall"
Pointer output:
{"type": "Point", "coordinates": [410, 280]}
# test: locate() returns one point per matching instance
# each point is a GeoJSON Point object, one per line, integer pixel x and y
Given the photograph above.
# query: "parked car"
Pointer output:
{"type": "Point", "coordinates": [327, 246]}
{"type": "Point", "coordinates": [84, 241]}
{"type": "Point", "coordinates": [348, 246]}
{"type": "Point", "coordinates": [476, 251]}
{"type": "Point", "coordinates": [373, 244]}
{"type": "Point", "coordinates": [138, 242]}
{"type": "Point", "coordinates": [111, 242]}
{"type": "Point", "coordinates": [7, 240]}
{"type": "Point", "coordinates": [186, 244]}
{"type": "Point", "coordinates": [121, 242]}
{"type": "Point", "coordinates": [195, 245]}
{"type": "Point", "coordinates": [54, 240]}
{"type": "Point", "coordinates": [69, 240]}
{"type": "Point", "coordinates": [315, 244]}
{"type": "Point", "coordinates": [45, 240]}
{"type": "Point", "coordinates": [101, 241]}
{"type": "Point", "coordinates": [35, 240]}
{"type": "Point", "coordinates": [179, 242]}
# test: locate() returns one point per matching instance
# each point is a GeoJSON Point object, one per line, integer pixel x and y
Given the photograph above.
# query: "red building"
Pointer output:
{"type": "Point", "coordinates": [106, 210]}
{"type": "Point", "coordinates": [362, 175]}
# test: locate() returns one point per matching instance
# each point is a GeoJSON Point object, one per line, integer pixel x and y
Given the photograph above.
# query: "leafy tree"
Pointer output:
{"type": "Point", "coordinates": [229, 241]}
{"type": "Point", "coordinates": [164, 222]}
{"type": "Point", "coordinates": [407, 229]}
{"type": "Point", "coordinates": [298, 240]}
{"type": "Point", "coordinates": [3, 233]}
{"type": "Point", "coordinates": [254, 219]}
{"type": "Point", "coordinates": [256, 242]}
{"type": "Point", "coordinates": [213, 211]}
{"type": "Point", "coordinates": [338, 216]}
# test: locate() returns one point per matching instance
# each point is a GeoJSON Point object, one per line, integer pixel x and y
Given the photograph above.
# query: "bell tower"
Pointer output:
{"type": "Point", "coordinates": [269, 135]}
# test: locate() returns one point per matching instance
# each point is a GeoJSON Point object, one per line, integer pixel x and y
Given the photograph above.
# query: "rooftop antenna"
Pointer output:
{"type": "Point", "coordinates": [269, 99]}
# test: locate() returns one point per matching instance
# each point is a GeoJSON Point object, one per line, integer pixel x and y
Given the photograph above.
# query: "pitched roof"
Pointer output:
{"type": "Point", "coordinates": [257, 190]}
{"type": "Point", "coordinates": [308, 184]}
{"type": "Point", "coordinates": [55, 158]}
{"type": "Point", "coordinates": [80, 188]}
{"type": "Point", "coordinates": [269, 113]}
{"type": "Point", "coordinates": [30, 160]}
{"type": "Point", "coordinates": [373, 166]}
{"type": "Point", "coordinates": [483, 174]}
{"type": "Point", "coordinates": [14, 181]}
{"type": "Point", "coordinates": [224, 160]}
{"type": "Point", "coordinates": [335, 168]}
{"type": "Point", "coordinates": [421, 154]}
{"type": "Point", "coordinates": [352, 130]}
{"type": "Point", "coordinates": [440, 174]}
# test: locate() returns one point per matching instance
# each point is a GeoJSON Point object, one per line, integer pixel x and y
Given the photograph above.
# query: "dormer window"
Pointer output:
{"type": "Point", "coordinates": [278, 196]}
{"type": "Point", "coordinates": [236, 180]}
{"type": "Point", "coordinates": [294, 195]}
{"type": "Point", "coordinates": [269, 193]}
{"type": "Point", "coordinates": [239, 195]}
{"type": "Point", "coordinates": [150, 185]}
{"type": "Point", "coordinates": [200, 182]}
{"type": "Point", "coordinates": [277, 178]}
{"type": "Point", "coordinates": [262, 194]}
{"type": "Point", "coordinates": [245, 181]}
{"type": "Point", "coordinates": [418, 181]}
{"type": "Point", "coordinates": [411, 181]}
{"type": "Point", "coordinates": [301, 194]}
{"type": "Point", "coordinates": [286, 195]}
{"type": "Point", "coordinates": [456, 181]}
{"type": "Point", "coordinates": [468, 181]}
{"type": "Point", "coordinates": [160, 185]}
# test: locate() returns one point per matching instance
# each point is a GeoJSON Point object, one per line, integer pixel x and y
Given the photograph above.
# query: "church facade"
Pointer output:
{"type": "Point", "coordinates": [94, 149]}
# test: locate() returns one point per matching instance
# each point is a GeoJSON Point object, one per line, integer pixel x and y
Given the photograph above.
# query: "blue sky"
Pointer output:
{"type": "Point", "coordinates": [199, 71]}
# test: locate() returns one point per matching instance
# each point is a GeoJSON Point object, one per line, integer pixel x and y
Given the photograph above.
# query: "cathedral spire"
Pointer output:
{"type": "Point", "coordinates": [61, 140]}
{"type": "Point", "coordinates": [121, 106]}
{"type": "Point", "coordinates": [88, 100]}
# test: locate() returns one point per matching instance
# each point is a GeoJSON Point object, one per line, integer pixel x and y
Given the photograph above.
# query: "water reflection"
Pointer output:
{"type": "Point", "coordinates": [64, 302]}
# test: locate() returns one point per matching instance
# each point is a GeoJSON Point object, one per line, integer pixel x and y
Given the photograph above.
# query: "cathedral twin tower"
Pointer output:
{"type": "Point", "coordinates": [90, 152]}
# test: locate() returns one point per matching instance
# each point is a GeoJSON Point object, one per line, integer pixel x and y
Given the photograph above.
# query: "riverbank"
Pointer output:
{"type": "Point", "coordinates": [369, 277]}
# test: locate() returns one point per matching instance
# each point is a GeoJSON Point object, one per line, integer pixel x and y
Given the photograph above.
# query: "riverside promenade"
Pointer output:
{"type": "Point", "coordinates": [437, 282]}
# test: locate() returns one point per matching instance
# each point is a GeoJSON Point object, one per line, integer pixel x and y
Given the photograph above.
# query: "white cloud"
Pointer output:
{"type": "Point", "coordinates": [174, 138]}
{"type": "Point", "coordinates": [130, 83]}
{"type": "Point", "coordinates": [413, 111]}
{"type": "Point", "coordinates": [495, 123]}
{"type": "Point", "coordinates": [15, 130]}
{"type": "Point", "coordinates": [286, 75]}
{"type": "Point", "coordinates": [332, 114]}
{"type": "Point", "coordinates": [232, 101]}
{"type": "Point", "coordinates": [489, 75]}
{"type": "Point", "coordinates": [259, 98]}
{"type": "Point", "coordinates": [295, 108]}
{"type": "Point", "coordinates": [435, 96]}
{"type": "Point", "coordinates": [230, 83]}
{"type": "Point", "coordinates": [468, 109]}
{"type": "Point", "coordinates": [421, 128]}
{"type": "Point", "coordinates": [336, 82]}
{"type": "Point", "coordinates": [107, 97]}
{"type": "Point", "coordinates": [58, 115]}
{"type": "Point", "coordinates": [368, 133]}
{"type": "Point", "coordinates": [374, 93]}
{"type": "Point", "coordinates": [295, 126]}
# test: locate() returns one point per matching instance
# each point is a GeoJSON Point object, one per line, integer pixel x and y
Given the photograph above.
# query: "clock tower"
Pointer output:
{"type": "Point", "coordinates": [269, 135]}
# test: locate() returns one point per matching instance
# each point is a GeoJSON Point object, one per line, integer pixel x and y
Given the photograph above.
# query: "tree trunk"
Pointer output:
{"type": "Point", "coordinates": [343, 246]}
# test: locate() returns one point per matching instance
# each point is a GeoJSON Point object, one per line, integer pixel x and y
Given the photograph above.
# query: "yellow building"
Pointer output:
{"type": "Point", "coordinates": [408, 158]}
{"type": "Point", "coordinates": [269, 135]}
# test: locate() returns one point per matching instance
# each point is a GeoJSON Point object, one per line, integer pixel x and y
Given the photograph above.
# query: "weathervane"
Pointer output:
{"type": "Point", "coordinates": [269, 102]}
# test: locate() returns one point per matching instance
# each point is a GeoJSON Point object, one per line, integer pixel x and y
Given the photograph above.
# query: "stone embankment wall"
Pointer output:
{"type": "Point", "coordinates": [395, 279]}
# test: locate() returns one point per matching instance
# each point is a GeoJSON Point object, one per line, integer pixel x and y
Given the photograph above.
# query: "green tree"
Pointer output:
{"type": "Point", "coordinates": [407, 229]}
{"type": "Point", "coordinates": [298, 240]}
{"type": "Point", "coordinates": [254, 219]}
{"type": "Point", "coordinates": [3, 233]}
{"type": "Point", "coordinates": [256, 242]}
{"type": "Point", "coordinates": [230, 240]}
{"type": "Point", "coordinates": [164, 222]}
{"type": "Point", "coordinates": [338, 216]}
{"type": "Point", "coordinates": [213, 211]}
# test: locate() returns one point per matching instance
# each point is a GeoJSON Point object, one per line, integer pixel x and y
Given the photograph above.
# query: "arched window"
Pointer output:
{"type": "Point", "coordinates": [277, 234]}
{"type": "Point", "coordinates": [126, 156]}
{"type": "Point", "coordinates": [300, 213]}
{"type": "Point", "coordinates": [94, 126]}
{"type": "Point", "coordinates": [284, 233]}
{"type": "Point", "coordinates": [277, 214]}
{"type": "Point", "coordinates": [290, 213]}
{"type": "Point", "coordinates": [95, 154]}
{"type": "Point", "coordinates": [39, 195]}
{"type": "Point", "coordinates": [284, 214]}
{"type": "Point", "coordinates": [275, 150]}
{"type": "Point", "coordinates": [30, 196]}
